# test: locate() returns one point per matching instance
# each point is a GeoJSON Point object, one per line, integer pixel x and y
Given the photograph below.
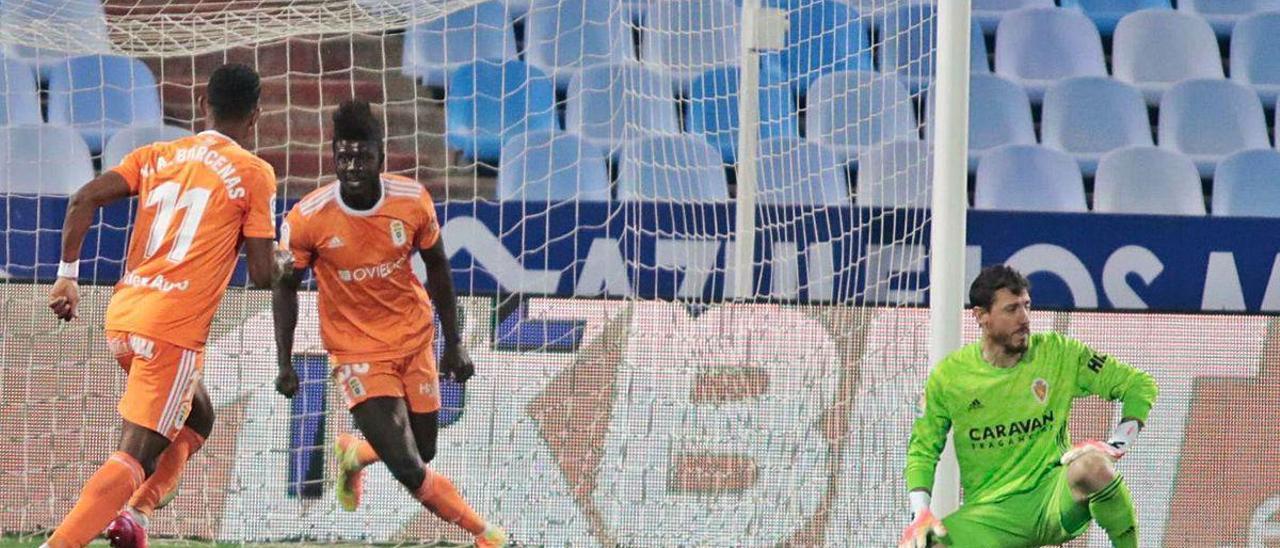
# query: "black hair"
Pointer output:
{"type": "Point", "coordinates": [354, 121]}
{"type": "Point", "coordinates": [992, 279]}
{"type": "Point", "coordinates": [233, 92]}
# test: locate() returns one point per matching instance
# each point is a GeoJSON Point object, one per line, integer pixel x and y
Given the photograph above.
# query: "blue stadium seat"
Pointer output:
{"type": "Point", "coordinates": [1255, 55]}
{"type": "Point", "coordinates": [1091, 116]}
{"type": "Point", "coordinates": [99, 94]}
{"type": "Point", "coordinates": [999, 114]}
{"type": "Point", "coordinates": [130, 138]}
{"type": "Point", "coordinates": [989, 13]}
{"type": "Point", "coordinates": [564, 36]}
{"type": "Point", "coordinates": [1224, 14]}
{"type": "Point", "coordinates": [797, 172]}
{"type": "Point", "coordinates": [488, 102]}
{"type": "Point", "coordinates": [1147, 180]}
{"type": "Point", "coordinates": [896, 174]}
{"type": "Point", "coordinates": [678, 168]}
{"type": "Point", "coordinates": [1029, 178]}
{"type": "Point", "coordinates": [1247, 184]}
{"type": "Point", "coordinates": [713, 108]}
{"type": "Point", "coordinates": [21, 104]}
{"type": "Point", "coordinates": [824, 36]}
{"type": "Point", "coordinates": [551, 166]}
{"type": "Point", "coordinates": [435, 48]}
{"type": "Point", "coordinates": [1154, 49]}
{"type": "Point", "coordinates": [1039, 46]}
{"type": "Point", "coordinates": [686, 38]}
{"type": "Point", "coordinates": [43, 159]}
{"type": "Point", "coordinates": [1208, 120]}
{"type": "Point", "coordinates": [610, 104]}
{"type": "Point", "coordinates": [908, 46]}
{"type": "Point", "coordinates": [853, 110]}
{"type": "Point", "coordinates": [1106, 13]}
{"type": "Point", "coordinates": [86, 17]}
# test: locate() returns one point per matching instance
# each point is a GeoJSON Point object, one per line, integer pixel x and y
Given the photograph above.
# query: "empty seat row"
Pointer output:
{"type": "Point", "coordinates": [1222, 15]}
{"type": "Point", "coordinates": [48, 159]}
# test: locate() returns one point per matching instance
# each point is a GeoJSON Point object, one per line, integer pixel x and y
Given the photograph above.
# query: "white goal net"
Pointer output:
{"type": "Point", "coordinates": [589, 159]}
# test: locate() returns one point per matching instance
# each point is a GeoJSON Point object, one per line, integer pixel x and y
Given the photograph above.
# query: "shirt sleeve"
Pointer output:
{"type": "Point", "coordinates": [1111, 379]}
{"type": "Point", "coordinates": [928, 436]}
{"type": "Point", "coordinates": [429, 231]}
{"type": "Point", "coordinates": [294, 238]}
{"type": "Point", "coordinates": [131, 165]}
{"type": "Point", "coordinates": [259, 220]}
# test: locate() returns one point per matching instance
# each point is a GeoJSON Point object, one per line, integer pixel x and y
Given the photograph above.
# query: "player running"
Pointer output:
{"type": "Point", "coordinates": [375, 318]}
{"type": "Point", "coordinates": [1008, 398]}
{"type": "Point", "coordinates": [199, 197]}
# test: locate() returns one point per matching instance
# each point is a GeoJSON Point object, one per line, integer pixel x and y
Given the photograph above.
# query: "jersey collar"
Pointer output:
{"type": "Point", "coordinates": [382, 196]}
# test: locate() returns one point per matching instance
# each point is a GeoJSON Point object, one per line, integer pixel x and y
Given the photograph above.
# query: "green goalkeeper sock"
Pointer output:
{"type": "Point", "coordinates": [1112, 508]}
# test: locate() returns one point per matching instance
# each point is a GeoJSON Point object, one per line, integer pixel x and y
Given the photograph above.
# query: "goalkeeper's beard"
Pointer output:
{"type": "Point", "coordinates": [1006, 342]}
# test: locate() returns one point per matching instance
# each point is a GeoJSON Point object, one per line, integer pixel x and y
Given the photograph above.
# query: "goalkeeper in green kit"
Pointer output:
{"type": "Point", "coordinates": [1008, 399]}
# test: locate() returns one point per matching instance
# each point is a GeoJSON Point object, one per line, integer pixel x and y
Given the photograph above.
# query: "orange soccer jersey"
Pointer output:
{"type": "Point", "coordinates": [372, 306]}
{"type": "Point", "coordinates": [197, 198]}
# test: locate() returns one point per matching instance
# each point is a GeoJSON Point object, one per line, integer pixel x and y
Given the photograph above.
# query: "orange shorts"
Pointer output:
{"type": "Point", "coordinates": [413, 377]}
{"type": "Point", "coordinates": [162, 380]}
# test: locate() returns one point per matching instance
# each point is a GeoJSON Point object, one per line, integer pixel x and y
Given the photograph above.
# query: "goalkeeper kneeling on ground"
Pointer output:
{"type": "Point", "coordinates": [1008, 398]}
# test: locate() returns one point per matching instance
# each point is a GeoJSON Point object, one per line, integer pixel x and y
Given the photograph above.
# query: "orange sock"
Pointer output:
{"type": "Point", "coordinates": [440, 496]}
{"type": "Point", "coordinates": [100, 501]}
{"type": "Point", "coordinates": [168, 471]}
{"type": "Point", "coordinates": [365, 453]}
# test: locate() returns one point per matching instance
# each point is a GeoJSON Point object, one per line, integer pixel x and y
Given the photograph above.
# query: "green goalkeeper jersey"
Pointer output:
{"type": "Point", "coordinates": [1011, 423]}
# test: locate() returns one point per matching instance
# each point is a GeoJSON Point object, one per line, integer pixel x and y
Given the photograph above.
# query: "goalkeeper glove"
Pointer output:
{"type": "Point", "coordinates": [1114, 448]}
{"type": "Point", "coordinates": [926, 528]}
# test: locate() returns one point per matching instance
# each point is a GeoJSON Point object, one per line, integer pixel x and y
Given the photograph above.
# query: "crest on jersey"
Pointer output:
{"type": "Point", "coordinates": [1040, 389]}
{"type": "Point", "coordinates": [398, 234]}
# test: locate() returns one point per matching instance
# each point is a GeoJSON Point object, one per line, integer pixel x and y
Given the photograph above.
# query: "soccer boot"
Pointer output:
{"type": "Point", "coordinates": [492, 537]}
{"type": "Point", "coordinates": [350, 474]}
{"type": "Point", "coordinates": [128, 530]}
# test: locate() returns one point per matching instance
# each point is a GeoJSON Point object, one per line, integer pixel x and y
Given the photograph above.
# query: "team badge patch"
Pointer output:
{"type": "Point", "coordinates": [398, 235]}
{"type": "Point", "coordinates": [1040, 389]}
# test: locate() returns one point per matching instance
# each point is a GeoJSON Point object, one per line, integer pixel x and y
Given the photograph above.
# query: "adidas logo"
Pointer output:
{"type": "Point", "coordinates": [334, 242]}
{"type": "Point", "coordinates": [977, 404]}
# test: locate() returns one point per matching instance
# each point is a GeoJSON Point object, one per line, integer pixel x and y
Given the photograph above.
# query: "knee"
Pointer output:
{"type": "Point", "coordinates": [427, 450]}
{"type": "Point", "coordinates": [1091, 473]}
{"type": "Point", "coordinates": [409, 471]}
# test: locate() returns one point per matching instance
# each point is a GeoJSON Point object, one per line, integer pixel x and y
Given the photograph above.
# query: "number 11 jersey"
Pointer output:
{"type": "Point", "coordinates": [198, 198]}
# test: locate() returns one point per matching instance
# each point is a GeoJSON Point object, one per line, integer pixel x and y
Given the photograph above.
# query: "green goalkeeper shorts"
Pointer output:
{"type": "Point", "coordinates": [1046, 515]}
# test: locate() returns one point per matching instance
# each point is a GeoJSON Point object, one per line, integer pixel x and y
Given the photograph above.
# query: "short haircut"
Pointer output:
{"type": "Point", "coordinates": [992, 279]}
{"type": "Point", "coordinates": [354, 121]}
{"type": "Point", "coordinates": [233, 91]}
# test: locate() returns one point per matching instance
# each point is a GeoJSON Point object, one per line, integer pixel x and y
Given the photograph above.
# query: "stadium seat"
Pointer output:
{"type": "Point", "coordinates": [435, 48]}
{"type": "Point", "coordinates": [1029, 178]}
{"type": "Point", "coordinates": [1147, 180]}
{"type": "Point", "coordinates": [1208, 120]}
{"type": "Point", "coordinates": [797, 172]}
{"type": "Point", "coordinates": [489, 102]}
{"type": "Point", "coordinates": [999, 114]}
{"type": "Point", "coordinates": [1247, 184]}
{"type": "Point", "coordinates": [43, 159]}
{"type": "Point", "coordinates": [1154, 49]}
{"type": "Point", "coordinates": [85, 18]}
{"type": "Point", "coordinates": [563, 36]}
{"type": "Point", "coordinates": [853, 110]}
{"type": "Point", "coordinates": [908, 47]}
{"type": "Point", "coordinates": [1090, 116]}
{"type": "Point", "coordinates": [686, 38]}
{"type": "Point", "coordinates": [551, 166]}
{"type": "Point", "coordinates": [678, 168]}
{"type": "Point", "coordinates": [824, 36]}
{"type": "Point", "coordinates": [1224, 14]}
{"type": "Point", "coordinates": [896, 174]}
{"type": "Point", "coordinates": [1255, 55]}
{"type": "Point", "coordinates": [99, 94]}
{"type": "Point", "coordinates": [1038, 46]}
{"type": "Point", "coordinates": [21, 104]}
{"type": "Point", "coordinates": [712, 108]}
{"type": "Point", "coordinates": [130, 138]}
{"type": "Point", "coordinates": [988, 13]}
{"type": "Point", "coordinates": [610, 104]}
{"type": "Point", "coordinates": [1106, 13]}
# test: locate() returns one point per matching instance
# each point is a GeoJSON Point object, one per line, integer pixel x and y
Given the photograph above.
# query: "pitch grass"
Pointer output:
{"type": "Point", "coordinates": [10, 541]}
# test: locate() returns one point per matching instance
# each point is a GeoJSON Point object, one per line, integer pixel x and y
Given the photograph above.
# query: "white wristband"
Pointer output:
{"type": "Point", "coordinates": [1124, 434]}
{"type": "Point", "coordinates": [69, 269]}
{"type": "Point", "coordinates": [919, 501]}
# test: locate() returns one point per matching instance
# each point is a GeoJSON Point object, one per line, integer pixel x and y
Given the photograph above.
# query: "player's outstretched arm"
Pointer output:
{"type": "Point", "coordinates": [106, 188]}
{"type": "Point", "coordinates": [454, 363]}
{"type": "Point", "coordinates": [284, 309]}
{"type": "Point", "coordinates": [260, 254]}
